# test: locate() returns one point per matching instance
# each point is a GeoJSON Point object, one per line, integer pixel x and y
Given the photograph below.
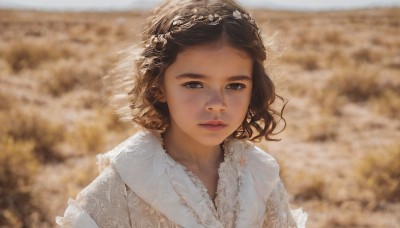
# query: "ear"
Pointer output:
{"type": "Point", "coordinates": [161, 94]}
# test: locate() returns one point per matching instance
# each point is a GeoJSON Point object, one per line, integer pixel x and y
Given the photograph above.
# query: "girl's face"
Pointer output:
{"type": "Point", "coordinates": [207, 90]}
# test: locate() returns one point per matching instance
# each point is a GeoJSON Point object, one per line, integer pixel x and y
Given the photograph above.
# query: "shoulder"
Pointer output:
{"type": "Point", "coordinates": [108, 183]}
{"type": "Point", "coordinates": [262, 156]}
{"type": "Point", "coordinates": [142, 144]}
{"type": "Point", "coordinates": [105, 199]}
{"type": "Point", "coordinates": [102, 203]}
{"type": "Point", "coordinates": [256, 159]}
{"type": "Point", "coordinates": [255, 166]}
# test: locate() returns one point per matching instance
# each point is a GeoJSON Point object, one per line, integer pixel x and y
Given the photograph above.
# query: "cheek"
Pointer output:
{"type": "Point", "coordinates": [183, 102]}
{"type": "Point", "coordinates": [241, 100]}
{"type": "Point", "coordinates": [239, 107]}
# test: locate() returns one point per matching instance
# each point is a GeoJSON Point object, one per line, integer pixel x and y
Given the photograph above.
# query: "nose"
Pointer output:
{"type": "Point", "coordinates": [216, 101]}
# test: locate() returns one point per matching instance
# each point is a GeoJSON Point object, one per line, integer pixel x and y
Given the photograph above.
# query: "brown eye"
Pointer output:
{"type": "Point", "coordinates": [193, 85]}
{"type": "Point", "coordinates": [236, 86]}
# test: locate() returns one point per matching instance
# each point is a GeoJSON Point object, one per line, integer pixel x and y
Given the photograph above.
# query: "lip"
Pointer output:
{"type": "Point", "coordinates": [213, 122]}
{"type": "Point", "coordinates": [213, 125]}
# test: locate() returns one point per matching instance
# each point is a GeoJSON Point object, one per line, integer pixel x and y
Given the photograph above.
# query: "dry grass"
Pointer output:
{"type": "Point", "coordinates": [321, 129]}
{"type": "Point", "coordinates": [6, 101]}
{"type": "Point", "coordinates": [23, 54]}
{"type": "Point", "coordinates": [365, 55]}
{"type": "Point", "coordinates": [66, 75]}
{"type": "Point", "coordinates": [379, 172]}
{"type": "Point", "coordinates": [18, 163]}
{"type": "Point", "coordinates": [25, 124]}
{"type": "Point", "coordinates": [358, 85]}
{"type": "Point", "coordinates": [388, 103]}
{"type": "Point", "coordinates": [88, 136]}
{"type": "Point", "coordinates": [340, 77]}
{"type": "Point", "coordinates": [330, 103]}
{"type": "Point", "coordinates": [308, 61]}
{"type": "Point", "coordinates": [311, 186]}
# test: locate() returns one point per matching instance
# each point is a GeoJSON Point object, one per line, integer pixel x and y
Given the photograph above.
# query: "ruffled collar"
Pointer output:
{"type": "Point", "coordinates": [160, 181]}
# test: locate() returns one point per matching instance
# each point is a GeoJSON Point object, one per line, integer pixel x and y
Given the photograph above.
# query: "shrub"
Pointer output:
{"type": "Point", "coordinates": [357, 85]}
{"type": "Point", "coordinates": [311, 186]}
{"type": "Point", "coordinates": [379, 172]}
{"type": "Point", "coordinates": [112, 121]}
{"type": "Point", "coordinates": [82, 33]}
{"type": "Point", "coordinates": [18, 167]}
{"type": "Point", "coordinates": [365, 55]}
{"type": "Point", "coordinates": [6, 100]}
{"type": "Point", "coordinates": [329, 102]}
{"type": "Point", "coordinates": [388, 104]}
{"type": "Point", "coordinates": [88, 137]}
{"type": "Point", "coordinates": [28, 125]}
{"type": "Point", "coordinates": [333, 37]}
{"type": "Point", "coordinates": [321, 129]}
{"type": "Point", "coordinates": [349, 219]}
{"type": "Point", "coordinates": [30, 54]}
{"type": "Point", "coordinates": [307, 61]}
{"type": "Point", "coordinates": [18, 164]}
{"type": "Point", "coordinates": [79, 176]}
{"type": "Point", "coordinates": [81, 99]}
{"type": "Point", "coordinates": [394, 63]}
{"type": "Point", "coordinates": [66, 75]}
{"type": "Point", "coordinates": [4, 67]}
{"type": "Point", "coordinates": [103, 29]}
{"type": "Point", "coordinates": [337, 59]}
{"type": "Point", "coordinates": [61, 77]}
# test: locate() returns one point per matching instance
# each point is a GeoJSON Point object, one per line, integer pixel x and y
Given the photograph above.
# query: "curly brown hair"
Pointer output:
{"type": "Point", "coordinates": [171, 28]}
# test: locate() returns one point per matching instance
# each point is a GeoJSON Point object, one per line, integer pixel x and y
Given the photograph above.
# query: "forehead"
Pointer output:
{"type": "Point", "coordinates": [215, 47]}
{"type": "Point", "coordinates": [213, 58]}
{"type": "Point", "coordinates": [214, 50]}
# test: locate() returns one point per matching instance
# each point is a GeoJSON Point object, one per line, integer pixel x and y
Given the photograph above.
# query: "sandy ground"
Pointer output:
{"type": "Point", "coordinates": [340, 72]}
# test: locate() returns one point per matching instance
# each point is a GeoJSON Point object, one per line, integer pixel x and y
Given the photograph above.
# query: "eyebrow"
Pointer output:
{"type": "Point", "coordinates": [200, 76]}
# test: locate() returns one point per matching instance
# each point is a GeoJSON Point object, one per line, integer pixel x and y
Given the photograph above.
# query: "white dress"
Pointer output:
{"type": "Point", "coordinates": [143, 187]}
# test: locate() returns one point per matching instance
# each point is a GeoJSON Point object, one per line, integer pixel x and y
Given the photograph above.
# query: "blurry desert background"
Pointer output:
{"type": "Point", "coordinates": [339, 70]}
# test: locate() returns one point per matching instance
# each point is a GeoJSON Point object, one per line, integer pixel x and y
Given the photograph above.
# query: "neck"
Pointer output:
{"type": "Point", "coordinates": [189, 152]}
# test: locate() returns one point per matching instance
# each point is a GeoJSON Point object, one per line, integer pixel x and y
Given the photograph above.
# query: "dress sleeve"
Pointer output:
{"type": "Point", "coordinates": [101, 204]}
{"type": "Point", "coordinates": [278, 213]}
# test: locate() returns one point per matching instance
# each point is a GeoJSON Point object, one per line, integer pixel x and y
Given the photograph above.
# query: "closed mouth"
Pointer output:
{"type": "Point", "coordinates": [213, 125]}
{"type": "Point", "coordinates": [213, 122]}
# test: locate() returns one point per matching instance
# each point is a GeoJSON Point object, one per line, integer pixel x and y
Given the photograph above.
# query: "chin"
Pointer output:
{"type": "Point", "coordinates": [212, 140]}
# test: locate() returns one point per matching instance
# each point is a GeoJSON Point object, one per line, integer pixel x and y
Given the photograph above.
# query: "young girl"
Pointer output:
{"type": "Point", "coordinates": [201, 94]}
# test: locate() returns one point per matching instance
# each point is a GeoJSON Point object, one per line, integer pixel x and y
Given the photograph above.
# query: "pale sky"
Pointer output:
{"type": "Point", "coordinates": [129, 4]}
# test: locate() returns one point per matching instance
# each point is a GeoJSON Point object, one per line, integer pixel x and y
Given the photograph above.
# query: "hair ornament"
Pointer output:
{"type": "Point", "coordinates": [158, 39]}
{"type": "Point", "coordinates": [177, 20]}
{"type": "Point", "coordinates": [180, 23]}
{"type": "Point", "coordinates": [238, 16]}
{"type": "Point", "coordinates": [211, 17]}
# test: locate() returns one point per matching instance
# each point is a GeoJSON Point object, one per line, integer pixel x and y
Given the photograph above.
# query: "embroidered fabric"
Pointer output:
{"type": "Point", "coordinates": [225, 206]}
{"type": "Point", "coordinates": [109, 201]}
{"type": "Point", "coordinates": [278, 213]}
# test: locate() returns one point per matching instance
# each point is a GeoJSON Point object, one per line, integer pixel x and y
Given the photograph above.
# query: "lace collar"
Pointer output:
{"type": "Point", "coordinates": [162, 183]}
